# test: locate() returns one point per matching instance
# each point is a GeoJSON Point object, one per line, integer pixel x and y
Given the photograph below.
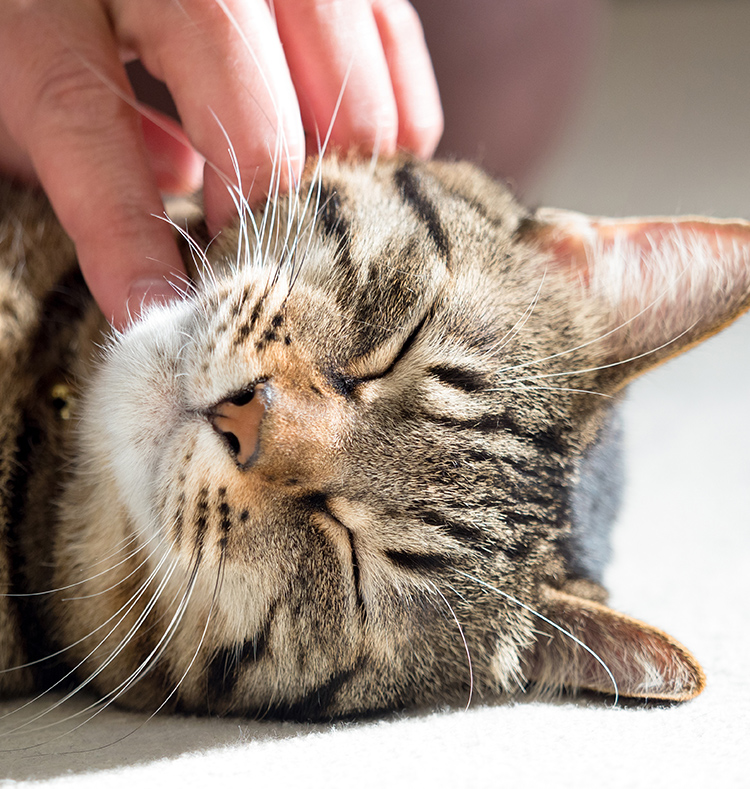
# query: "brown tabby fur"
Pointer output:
{"type": "Point", "coordinates": [428, 359]}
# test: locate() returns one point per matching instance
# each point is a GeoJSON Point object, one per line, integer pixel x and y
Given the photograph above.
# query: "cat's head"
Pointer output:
{"type": "Point", "coordinates": [346, 473]}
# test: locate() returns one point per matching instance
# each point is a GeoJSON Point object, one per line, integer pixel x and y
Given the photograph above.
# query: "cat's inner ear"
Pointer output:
{"type": "Point", "coordinates": [641, 661]}
{"type": "Point", "coordinates": [662, 284]}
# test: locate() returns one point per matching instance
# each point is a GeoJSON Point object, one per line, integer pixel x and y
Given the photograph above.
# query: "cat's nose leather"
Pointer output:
{"type": "Point", "coordinates": [239, 424]}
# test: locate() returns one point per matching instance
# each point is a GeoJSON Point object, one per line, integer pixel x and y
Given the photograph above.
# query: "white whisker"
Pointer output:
{"type": "Point", "coordinates": [562, 630]}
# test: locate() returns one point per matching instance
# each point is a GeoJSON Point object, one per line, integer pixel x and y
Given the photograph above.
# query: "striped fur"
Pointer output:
{"type": "Point", "coordinates": [426, 407]}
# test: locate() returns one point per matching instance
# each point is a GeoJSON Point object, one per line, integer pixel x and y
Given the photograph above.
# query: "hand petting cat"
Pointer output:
{"type": "Point", "coordinates": [240, 71]}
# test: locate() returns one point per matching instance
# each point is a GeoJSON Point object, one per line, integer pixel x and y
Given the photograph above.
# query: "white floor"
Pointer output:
{"type": "Point", "coordinates": [665, 128]}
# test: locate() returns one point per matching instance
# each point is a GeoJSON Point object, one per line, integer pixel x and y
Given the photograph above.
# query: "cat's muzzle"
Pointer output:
{"type": "Point", "coordinates": [237, 420]}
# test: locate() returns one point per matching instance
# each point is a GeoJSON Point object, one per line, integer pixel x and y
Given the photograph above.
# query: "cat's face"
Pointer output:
{"type": "Point", "coordinates": [341, 476]}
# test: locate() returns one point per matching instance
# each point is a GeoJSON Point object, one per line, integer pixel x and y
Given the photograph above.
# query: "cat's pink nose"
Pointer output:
{"type": "Point", "coordinates": [238, 420]}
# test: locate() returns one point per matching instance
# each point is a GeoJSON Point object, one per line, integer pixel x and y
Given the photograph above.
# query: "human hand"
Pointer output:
{"type": "Point", "coordinates": [64, 119]}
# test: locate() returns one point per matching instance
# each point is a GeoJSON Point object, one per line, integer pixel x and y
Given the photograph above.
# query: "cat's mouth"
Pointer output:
{"type": "Point", "coordinates": [237, 420]}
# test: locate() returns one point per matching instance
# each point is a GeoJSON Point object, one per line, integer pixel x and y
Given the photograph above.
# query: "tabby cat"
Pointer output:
{"type": "Point", "coordinates": [369, 462]}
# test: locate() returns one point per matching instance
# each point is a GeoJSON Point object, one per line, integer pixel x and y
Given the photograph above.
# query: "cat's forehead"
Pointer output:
{"type": "Point", "coordinates": [376, 244]}
{"type": "Point", "coordinates": [346, 256]}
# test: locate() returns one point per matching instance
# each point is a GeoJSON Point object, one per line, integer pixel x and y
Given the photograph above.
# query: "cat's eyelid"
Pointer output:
{"type": "Point", "coordinates": [403, 350]}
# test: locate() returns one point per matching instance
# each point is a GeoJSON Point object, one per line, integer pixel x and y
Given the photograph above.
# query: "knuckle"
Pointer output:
{"type": "Point", "coordinates": [71, 96]}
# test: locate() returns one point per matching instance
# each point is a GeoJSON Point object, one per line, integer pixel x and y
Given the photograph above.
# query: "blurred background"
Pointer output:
{"type": "Point", "coordinates": [662, 121]}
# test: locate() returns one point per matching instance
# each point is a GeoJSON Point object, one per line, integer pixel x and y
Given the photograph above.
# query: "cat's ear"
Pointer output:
{"type": "Point", "coordinates": [640, 660]}
{"type": "Point", "coordinates": [663, 284]}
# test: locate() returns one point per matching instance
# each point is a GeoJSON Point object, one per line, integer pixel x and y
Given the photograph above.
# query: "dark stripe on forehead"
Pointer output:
{"type": "Point", "coordinates": [465, 533]}
{"type": "Point", "coordinates": [407, 182]}
{"type": "Point", "coordinates": [520, 549]}
{"type": "Point", "coordinates": [335, 226]}
{"type": "Point", "coordinates": [547, 439]}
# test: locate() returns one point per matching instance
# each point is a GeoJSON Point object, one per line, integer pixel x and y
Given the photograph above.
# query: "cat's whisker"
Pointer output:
{"type": "Point", "coordinates": [146, 663]}
{"type": "Point", "coordinates": [315, 187]}
{"type": "Point", "coordinates": [58, 653]}
{"type": "Point", "coordinates": [548, 621]}
{"type": "Point", "coordinates": [87, 579]}
{"type": "Point", "coordinates": [125, 609]}
{"type": "Point", "coordinates": [134, 678]}
{"type": "Point", "coordinates": [521, 322]}
{"type": "Point", "coordinates": [513, 385]}
{"type": "Point", "coordinates": [100, 704]}
{"type": "Point", "coordinates": [609, 366]}
{"type": "Point", "coordinates": [121, 579]}
{"type": "Point", "coordinates": [463, 638]}
{"type": "Point", "coordinates": [624, 324]}
{"type": "Point", "coordinates": [198, 254]}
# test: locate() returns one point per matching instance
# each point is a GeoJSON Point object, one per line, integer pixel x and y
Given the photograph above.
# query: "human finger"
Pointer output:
{"type": "Point", "coordinates": [420, 117]}
{"type": "Point", "coordinates": [176, 165]}
{"type": "Point", "coordinates": [334, 52]}
{"type": "Point", "coordinates": [225, 67]}
{"type": "Point", "coordinates": [61, 99]}
{"type": "Point", "coordinates": [14, 161]}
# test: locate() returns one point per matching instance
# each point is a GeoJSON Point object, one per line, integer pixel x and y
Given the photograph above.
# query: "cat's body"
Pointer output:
{"type": "Point", "coordinates": [371, 463]}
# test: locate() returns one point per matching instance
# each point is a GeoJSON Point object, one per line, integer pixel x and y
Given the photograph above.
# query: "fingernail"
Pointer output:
{"type": "Point", "coordinates": [145, 292]}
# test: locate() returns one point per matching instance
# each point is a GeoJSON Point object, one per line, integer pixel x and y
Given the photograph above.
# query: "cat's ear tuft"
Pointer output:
{"type": "Point", "coordinates": [642, 661]}
{"type": "Point", "coordinates": [664, 283]}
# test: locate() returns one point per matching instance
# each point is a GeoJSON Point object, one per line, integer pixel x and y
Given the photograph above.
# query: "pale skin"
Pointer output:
{"type": "Point", "coordinates": [68, 119]}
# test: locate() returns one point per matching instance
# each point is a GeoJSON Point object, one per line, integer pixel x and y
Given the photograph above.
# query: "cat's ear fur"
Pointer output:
{"type": "Point", "coordinates": [642, 661]}
{"type": "Point", "coordinates": [664, 284]}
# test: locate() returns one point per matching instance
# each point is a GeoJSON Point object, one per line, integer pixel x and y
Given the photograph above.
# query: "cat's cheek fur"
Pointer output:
{"type": "Point", "coordinates": [134, 405]}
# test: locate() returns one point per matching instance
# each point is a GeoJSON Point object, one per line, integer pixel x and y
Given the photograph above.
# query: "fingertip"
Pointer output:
{"type": "Point", "coordinates": [422, 135]}
{"type": "Point", "coordinates": [144, 293]}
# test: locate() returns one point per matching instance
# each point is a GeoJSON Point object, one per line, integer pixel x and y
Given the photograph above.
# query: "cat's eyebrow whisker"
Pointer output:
{"type": "Point", "coordinates": [605, 366]}
{"type": "Point", "coordinates": [520, 384]}
{"type": "Point", "coordinates": [234, 188]}
{"type": "Point", "coordinates": [557, 627]}
{"type": "Point", "coordinates": [197, 253]}
{"type": "Point", "coordinates": [651, 305]}
{"type": "Point", "coordinates": [315, 188]}
{"type": "Point", "coordinates": [521, 322]}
